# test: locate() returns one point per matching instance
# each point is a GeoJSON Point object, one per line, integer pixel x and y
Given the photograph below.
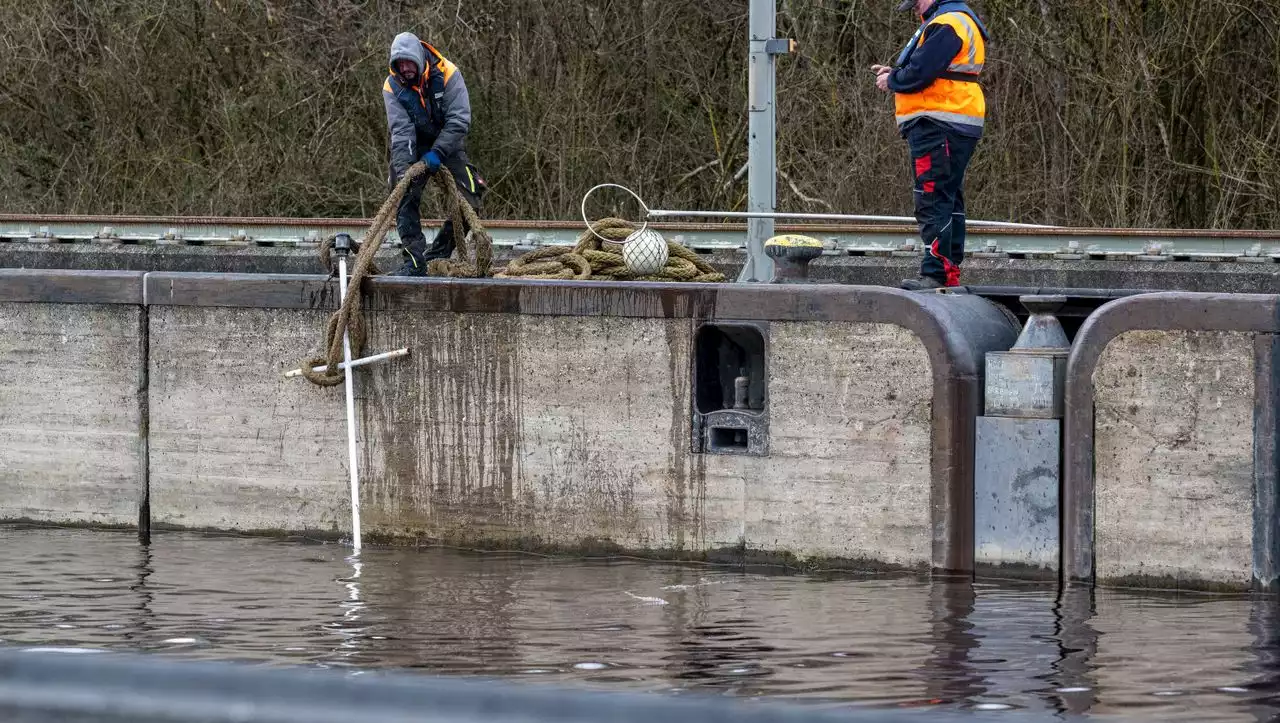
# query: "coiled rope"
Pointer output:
{"type": "Point", "coordinates": [592, 258]}
{"type": "Point", "coordinates": [349, 316]}
{"type": "Point", "coordinates": [596, 256]}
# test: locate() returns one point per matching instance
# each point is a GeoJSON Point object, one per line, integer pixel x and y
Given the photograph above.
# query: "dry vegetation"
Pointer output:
{"type": "Point", "coordinates": [1103, 112]}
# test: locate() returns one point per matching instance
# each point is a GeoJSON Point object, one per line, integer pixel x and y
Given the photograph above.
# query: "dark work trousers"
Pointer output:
{"type": "Point", "coordinates": [939, 157]}
{"type": "Point", "coordinates": [409, 218]}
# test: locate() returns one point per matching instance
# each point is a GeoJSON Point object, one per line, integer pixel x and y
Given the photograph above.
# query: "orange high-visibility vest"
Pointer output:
{"type": "Point", "coordinates": [955, 97]}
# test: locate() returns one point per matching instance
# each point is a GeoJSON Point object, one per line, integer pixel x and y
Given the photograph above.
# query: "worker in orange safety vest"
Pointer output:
{"type": "Point", "coordinates": [940, 111]}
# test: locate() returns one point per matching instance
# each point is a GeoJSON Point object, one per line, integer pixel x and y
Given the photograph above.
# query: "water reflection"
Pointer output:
{"type": "Point", "coordinates": [348, 628]}
{"type": "Point", "coordinates": [141, 624]}
{"type": "Point", "coordinates": [1260, 673]}
{"type": "Point", "coordinates": [832, 642]}
{"type": "Point", "coordinates": [947, 670]}
{"type": "Point", "coordinates": [1072, 680]}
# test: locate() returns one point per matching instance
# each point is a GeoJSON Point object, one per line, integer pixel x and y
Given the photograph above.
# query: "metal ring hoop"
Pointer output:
{"type": "Point", "coordinates": [639, 200]}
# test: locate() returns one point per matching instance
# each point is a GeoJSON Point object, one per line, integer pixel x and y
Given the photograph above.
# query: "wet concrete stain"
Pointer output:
{"type": "Point", "coordinates": [490, 432]}
{"type": "Point", "coordinates": [1025, 497]}
{"type": "Point", "coordinates": [583, 475]}
{"type": "Point", "coordinates": [448, 423]}
{"type": "Point", "coordinates": [677, 488]}
{"type": "Point", "coordinates": [324, 297]}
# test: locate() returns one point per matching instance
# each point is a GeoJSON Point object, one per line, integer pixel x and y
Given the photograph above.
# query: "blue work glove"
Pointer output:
{"type": "Point", "coordinates": [432, 159]}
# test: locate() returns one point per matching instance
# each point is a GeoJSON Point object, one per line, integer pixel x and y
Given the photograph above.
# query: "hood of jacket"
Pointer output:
{"type": "Point", "coordinates": [947, 6]}
{"type": "Point", "coordinates": [406, 46]}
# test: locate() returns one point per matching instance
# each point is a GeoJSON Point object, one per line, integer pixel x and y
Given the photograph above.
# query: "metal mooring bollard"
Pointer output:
{"type": "Point", "coordinates": [791, 255]}
{"type": "Point", "coordinates": [1018, 449]}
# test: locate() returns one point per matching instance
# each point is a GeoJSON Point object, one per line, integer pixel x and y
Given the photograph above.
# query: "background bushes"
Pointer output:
{"type": "Point", "coordinates": [1102, 112]}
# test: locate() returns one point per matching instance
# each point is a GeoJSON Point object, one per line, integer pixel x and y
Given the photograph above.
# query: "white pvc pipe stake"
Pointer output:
{"type": "Point", "coordinates": [351, 414]}
{"type": "Point", "coordinates": [365, 361]}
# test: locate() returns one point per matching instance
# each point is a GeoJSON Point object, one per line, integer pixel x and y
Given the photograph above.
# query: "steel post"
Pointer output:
{"type": "Point", "coordinates": [761, 150]}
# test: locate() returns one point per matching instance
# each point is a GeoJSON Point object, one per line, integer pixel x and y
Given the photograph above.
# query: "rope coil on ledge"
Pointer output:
{"type": "Point", "coordinates": [597, 256]}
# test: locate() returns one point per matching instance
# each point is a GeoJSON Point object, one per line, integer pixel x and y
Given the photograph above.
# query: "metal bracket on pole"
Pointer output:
{"type": "Point", "coordinates": [780, 46]}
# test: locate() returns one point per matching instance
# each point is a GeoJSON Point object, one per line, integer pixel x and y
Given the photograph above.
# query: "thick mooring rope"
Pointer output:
{"type": "Point", "coordinates": [591, 258]}
{"type": "Point", "coordinates": [349, 317]}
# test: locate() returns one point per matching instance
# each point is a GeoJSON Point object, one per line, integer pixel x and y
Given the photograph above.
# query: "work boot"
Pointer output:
{"type": "Point", "coordinates": [442, 246]}
{"type": "Point", "coordinates": [412, 266]}
{"type": "Point", "coordinates": [409, 269]}
{"type": "Point", "coordinates": [922, 283]}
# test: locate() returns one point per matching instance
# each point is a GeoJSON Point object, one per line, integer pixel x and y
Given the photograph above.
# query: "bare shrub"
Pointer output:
{"type": "Point", "coordinates": [1102, 112]}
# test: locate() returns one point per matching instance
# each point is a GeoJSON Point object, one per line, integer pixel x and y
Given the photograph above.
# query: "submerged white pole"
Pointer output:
{"type": "Point", "coordinates": [342, 244]}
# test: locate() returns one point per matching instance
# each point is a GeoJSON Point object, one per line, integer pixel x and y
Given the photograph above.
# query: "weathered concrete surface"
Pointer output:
{"type": "Point", "coordinates": [490, 431]}
{"type": "Point", "coordinates": [69, 414]}
{"type": "Point", "coordinates": [1015, 483]}
{"type": "Point", "coordinates": [1222, 277]}
{"type": "Point", "coordinates": [1174, 457]}
{"type": "Point", "coordinates": [1226, 277]}
{"type": "Point", "coordinates": [848, 474]}
{"type": "Point", "coordinates": [559, 416]}
{"type": "Point", "coordinates": [235, 445]}
{"type": "Point", "coordinates": [551, 430]}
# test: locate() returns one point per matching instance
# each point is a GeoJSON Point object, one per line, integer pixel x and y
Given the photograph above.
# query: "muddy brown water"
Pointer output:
{"type": "Point", "coordinates": [893, 641]}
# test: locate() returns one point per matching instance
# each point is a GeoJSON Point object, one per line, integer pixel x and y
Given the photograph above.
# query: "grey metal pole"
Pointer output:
{"type": "Point", "coordinates": [761, 150]}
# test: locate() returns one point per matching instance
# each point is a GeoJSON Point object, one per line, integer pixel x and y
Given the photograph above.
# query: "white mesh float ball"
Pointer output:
{"type": "Point", "coordinates": [645, 252]}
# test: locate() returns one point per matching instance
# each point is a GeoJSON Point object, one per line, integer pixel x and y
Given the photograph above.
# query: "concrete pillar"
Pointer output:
{"type": "Point", "coordinates": [1018, 449]}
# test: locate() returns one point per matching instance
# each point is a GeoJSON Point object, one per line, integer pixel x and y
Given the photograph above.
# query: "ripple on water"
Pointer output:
{"type": "Point", "coordinates": [69, 650]}
{"type": "Point", "coordinates": [900, 641]}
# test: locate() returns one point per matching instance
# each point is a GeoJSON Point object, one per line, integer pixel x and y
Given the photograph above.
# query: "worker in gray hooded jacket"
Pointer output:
{"type": "Point", "coordinates": [428, 116]}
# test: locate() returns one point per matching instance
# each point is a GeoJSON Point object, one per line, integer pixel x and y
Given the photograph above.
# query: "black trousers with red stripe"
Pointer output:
{"type": "Point", "coordinates": [939, 157]}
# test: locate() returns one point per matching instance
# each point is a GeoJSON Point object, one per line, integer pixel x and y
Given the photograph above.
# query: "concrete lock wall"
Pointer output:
{"type": "Point", "coordinates": [1174, 456]}
{"type": "Point", "coordinates": [234, 445]}
{"type": "Point", "coordinates": [560, 415]}
{"type": "Point", "coordinates": [848, 473]}
{"type": "Point", "coordinates": [1171, 473]}
{"type": "Point", "coordinates": [1036, 270]}
{"type": "Point", "coordinates": [70, 410]}
{"type": "Point", "coordinates": [547, 414]}
{"type": "Point", "coordinates": [497, 430]}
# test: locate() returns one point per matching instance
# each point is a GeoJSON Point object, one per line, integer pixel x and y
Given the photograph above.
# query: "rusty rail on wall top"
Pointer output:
{"type": "Point", "coordinates": [1258, 246]}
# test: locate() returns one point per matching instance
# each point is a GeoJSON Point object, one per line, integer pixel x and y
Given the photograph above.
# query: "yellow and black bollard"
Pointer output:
{"type": "Point", "coordinates": [791, 254]}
